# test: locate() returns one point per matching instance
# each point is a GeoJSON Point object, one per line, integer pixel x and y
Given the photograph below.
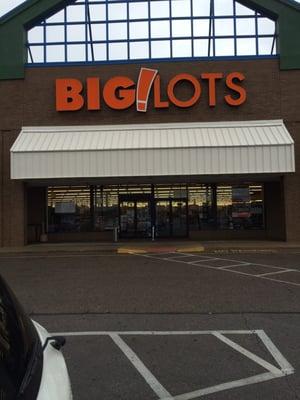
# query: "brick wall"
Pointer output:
{"type": "Point", "coordinates": [271, 94]}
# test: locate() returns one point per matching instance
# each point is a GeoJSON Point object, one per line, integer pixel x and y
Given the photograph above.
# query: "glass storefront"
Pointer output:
{"type": "Point", "coordinates": [168, 210]}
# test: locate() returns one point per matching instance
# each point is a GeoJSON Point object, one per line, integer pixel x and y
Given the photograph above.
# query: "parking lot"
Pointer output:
{"type": "Point", "coordinates": [238, 265]}
{"type": "Point", "coordinates": [169, 325]}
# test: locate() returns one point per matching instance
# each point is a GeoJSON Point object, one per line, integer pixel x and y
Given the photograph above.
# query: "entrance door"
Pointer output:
{"type": "Point", "coordinates": [135, 217]}
{"type": "Point", "coordinates": [179, 218]}
{"type": "Point", "coordinates": [163, 213]}
{"type": "Point", "coordinates": [171, 218]}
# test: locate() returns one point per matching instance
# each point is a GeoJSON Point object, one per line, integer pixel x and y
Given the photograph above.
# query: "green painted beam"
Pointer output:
{"type": "Point", "coordinates": [13, 31]}
{"type": "Point", "coordinates": [287, 14]}
{"type": "Point", "coordinates": [13, 34]}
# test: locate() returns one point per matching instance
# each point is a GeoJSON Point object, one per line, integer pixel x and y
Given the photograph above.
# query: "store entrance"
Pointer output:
{"type": "Point", "coordinates": [141, 216]}
{"type": "Point", "coordinates": [171, 218]}
{"type": "Point", "coordinates": [92, 213]}
{"type": "Point", "coordinates": [135, 216]}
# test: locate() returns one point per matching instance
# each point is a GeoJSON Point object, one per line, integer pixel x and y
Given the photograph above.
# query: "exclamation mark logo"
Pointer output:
{"type": "Point", "coordinates": [144, 85]}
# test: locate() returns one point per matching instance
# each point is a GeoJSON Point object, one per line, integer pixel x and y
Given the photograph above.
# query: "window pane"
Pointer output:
{"type": "Point", "coordinates": [117, 11]}
{"type": "Point", "coordinates": [201, 8]}
{"type": "Point", "coordinates": [37, 53]}
{"type": "Point", "coordinates": [200, 208]}
{"type": "Point", "coordinates": [76, 13]}
{"type": "Point", "coordinates": [245, 26]}
{"type": "Point", "coordinates": [107, 212]}
{"type": "Point", "coordinates": [224, 27]}
{"type": "Point", "coordinates": [201, 47]}
{"type": "Point", "coordinates": [242, 10]}
{"type": "Point", "coordinates": [117, 31]}
{"type": "Point", "coordinates": [201, 27]}
{"type": "Point", "coordinates": [55, 34]}
{"type": "Point", "coordinates": [98, 32]}
{"type": "Point", "coordinates": [245, 47]}
{"type": "Point", "coordinates": [224, 47]}
{"type": "Point", "coordinates": [138, 10]}
{"type": "Point", "coordinates": [76, 52]}
{"type": "Point", "coordinates": [240, 207]}
{"type": "Point", "coordinates": [160, 9]}
{"type": "Point", "coordinates": [181, 28]}
{"type": "Point", "coordinates": [223, 7]}
{"type": "Point", "coordinates": [160, 49]}
{"type": "Point", "coordinates": [99, 52]}
{"type": "Point", "coordinates": [181, 8]}
{"type": "Point", "coordinates": [76, 33]}
{"type": "Point", "coordinates": [139, 50]}
{"type": "Point", "coordinates": [69, 209]}
{"type": "Point", "coordinates": [118, 51]}
{"type": "Point", "coordinates": [36, 35]}
{"type": "Point", "coordinates": [97, 12]}
{"type": "Point", "coordinates": [266, 26]}
{"type": "Point", "coordinates": [182, 48]}
{"type": "Point", "coordinates": [225, 209]}
{"type": "Point", "coordinates": [265, 46]}
{"type": "Point", "coordinates": [58, 17]}
{"type": "Point", "coordinates": [55, 53]}
{"type": "Point", "coordinates": [160, 29]}
{"type": "Point", "coordinates": [139, 30]}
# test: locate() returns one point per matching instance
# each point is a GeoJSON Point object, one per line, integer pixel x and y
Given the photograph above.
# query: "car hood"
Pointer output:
{"type": "Point", "coordinates": [55, 382]}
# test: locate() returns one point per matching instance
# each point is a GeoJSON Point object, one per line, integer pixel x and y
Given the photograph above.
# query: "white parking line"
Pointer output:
{"type": "Point", "coordinates": [234, 265]}
{"type": "Point", "coordinates": [247, 353]}
{"type": "Point", "coordinates": [277, 272]}
{"type": "Point", "coordinates": [225, 386]}
{"type": "Point", "coordinates": [204, 259]}
{"type": "Point", "coordinates": [285, 368]}
{"type": "Point", "coordinates": [141, 367]}
{"type": "Point", "coordinates": [228, 268]}
{"type": "Point", "coordinates": [154, 333]}
{"type": "Point", "coordinates": [278, 357]}
{"type": "Point", "coordinates": [280, 281]}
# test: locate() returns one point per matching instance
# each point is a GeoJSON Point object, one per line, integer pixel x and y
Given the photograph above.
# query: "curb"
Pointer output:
{"type": "Point", "coordinates": [159, 248]}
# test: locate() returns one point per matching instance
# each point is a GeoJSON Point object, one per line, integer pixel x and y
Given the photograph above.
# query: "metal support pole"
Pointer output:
{"type": "Point", "coordinates": [153, 233]}
{"type": "Point", "coordinates": [115, 234]}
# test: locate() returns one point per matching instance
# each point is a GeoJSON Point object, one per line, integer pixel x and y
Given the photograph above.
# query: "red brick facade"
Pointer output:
{"type": "Point", "coordinates": [271, 94]}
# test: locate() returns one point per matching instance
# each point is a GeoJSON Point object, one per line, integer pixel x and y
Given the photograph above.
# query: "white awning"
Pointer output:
{"type": "Point", "coordinates": [246, 147]}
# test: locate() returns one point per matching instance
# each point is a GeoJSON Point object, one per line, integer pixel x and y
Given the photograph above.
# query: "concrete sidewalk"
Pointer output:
{"type": "Point", "coordinates": [153, 247]}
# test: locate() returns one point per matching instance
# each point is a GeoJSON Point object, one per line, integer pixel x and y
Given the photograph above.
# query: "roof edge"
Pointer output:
{"type": "Point", "coordinates": [13, 25]}
{"type": "Point", "coordinates": [29, 3]}
{"type": "Point", "coordinates": [17, 10]}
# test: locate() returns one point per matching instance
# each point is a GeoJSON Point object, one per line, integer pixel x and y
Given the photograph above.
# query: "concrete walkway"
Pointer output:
{"type": "Point", "coordinates": [153, 247]}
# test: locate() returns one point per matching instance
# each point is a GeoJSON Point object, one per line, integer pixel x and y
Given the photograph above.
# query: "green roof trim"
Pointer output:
{"type": "Point", "coordinates": [13, 28]}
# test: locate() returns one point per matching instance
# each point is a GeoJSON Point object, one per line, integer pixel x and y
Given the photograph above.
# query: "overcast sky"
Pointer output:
{"type": "Point", "coordinates": [7, 5]}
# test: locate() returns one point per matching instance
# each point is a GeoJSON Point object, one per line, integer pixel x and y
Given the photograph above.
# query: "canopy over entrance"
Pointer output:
{"type": "Point", "coordinates": [246, 147]}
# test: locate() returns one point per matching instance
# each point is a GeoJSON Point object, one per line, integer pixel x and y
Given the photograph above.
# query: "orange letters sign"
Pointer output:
{"type": "Point", "coordinates": [121, 92]}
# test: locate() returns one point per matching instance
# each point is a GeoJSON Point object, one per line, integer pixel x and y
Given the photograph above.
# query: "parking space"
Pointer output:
{"type": "Point", "coordinates": [285, 275]}
{"type": "Point", "coordinates": [169, 326]}
{"type": "Point", "coordinates": [174, 365]}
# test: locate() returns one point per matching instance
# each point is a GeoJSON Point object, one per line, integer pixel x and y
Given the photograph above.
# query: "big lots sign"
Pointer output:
{"type": "Point", "coordinates": [121, 92]}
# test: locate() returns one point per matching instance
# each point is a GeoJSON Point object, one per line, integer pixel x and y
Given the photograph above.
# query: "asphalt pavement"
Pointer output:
{"type": "Point", "coordinates": [169, 325]}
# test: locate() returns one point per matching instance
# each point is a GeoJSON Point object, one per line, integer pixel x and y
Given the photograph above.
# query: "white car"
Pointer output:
{"type": "Point", "coordinates": [31, 364]}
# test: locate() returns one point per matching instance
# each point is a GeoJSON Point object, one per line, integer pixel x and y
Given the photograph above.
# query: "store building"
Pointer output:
{"type": "Point", "coordinates": [156, 118]}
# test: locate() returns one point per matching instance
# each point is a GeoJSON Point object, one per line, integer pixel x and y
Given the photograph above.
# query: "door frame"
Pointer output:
{"type": "Point", "coordinates": [134, 198]}
{"type": "Point", "coordinates": [170, 200]}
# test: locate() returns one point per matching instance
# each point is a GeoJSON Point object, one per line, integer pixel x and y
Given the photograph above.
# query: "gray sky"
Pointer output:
{"type": "Point", "coordinates": [7, 5]}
